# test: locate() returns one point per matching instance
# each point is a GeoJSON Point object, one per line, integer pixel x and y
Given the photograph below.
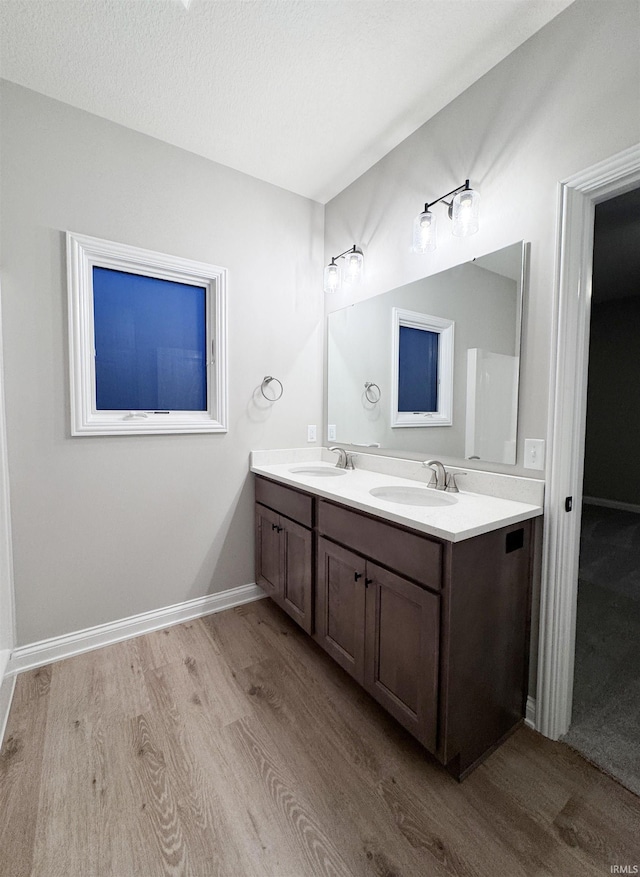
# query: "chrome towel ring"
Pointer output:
{"type": "Point", "coordinates": [265, 383]}
{"type": "Point", "coordinates": [372, 391]}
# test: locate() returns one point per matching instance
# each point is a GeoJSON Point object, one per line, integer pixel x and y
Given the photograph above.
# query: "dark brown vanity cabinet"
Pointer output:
{"type": "Point", "coordinates": [340, 602]}
{"type": "Point", "coordinates": [383, 629]}
{"type": "Point", "coordinates": [284, 549]}
{"type": "Point", "coordinates": [437, 632]}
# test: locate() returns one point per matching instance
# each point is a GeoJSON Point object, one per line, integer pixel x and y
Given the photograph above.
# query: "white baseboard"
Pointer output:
{"type": "Point", "coordinates": [6, 696]}
{"type": "Point", "coordinates": [70, 644]}
{"type": "Point", "coordinates": [612, 504]}
{"type": "Point", "coordinates": [530, 714]}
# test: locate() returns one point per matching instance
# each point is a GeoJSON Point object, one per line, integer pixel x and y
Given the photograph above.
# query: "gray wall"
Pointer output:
{"type": "Point", "coordinates": [104, 528]}
{"type": "Point", "coordinates": [612, 461]}
{"type": "Point", "coordinates": [564, 100]}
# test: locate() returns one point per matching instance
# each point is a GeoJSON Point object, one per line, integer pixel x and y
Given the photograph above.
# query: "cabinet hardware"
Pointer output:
{"type": "Point", "coordinates": [368, 582]}
{"type": "Point", "coordinates": [514, 540]}
{"type": "Point", "coordinates": [357, 575]}
{"type": "Point", "coordinates": [276, 528]}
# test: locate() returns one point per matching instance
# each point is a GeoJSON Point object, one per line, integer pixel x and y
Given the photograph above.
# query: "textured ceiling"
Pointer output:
{"type": "Point", "coordinates": [306, 94]}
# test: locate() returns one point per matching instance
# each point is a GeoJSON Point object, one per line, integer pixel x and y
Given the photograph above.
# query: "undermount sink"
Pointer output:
{"type": "Point", "coordinates": [320, 471]}
{"type": "Point", "coordinates": [420, 496]}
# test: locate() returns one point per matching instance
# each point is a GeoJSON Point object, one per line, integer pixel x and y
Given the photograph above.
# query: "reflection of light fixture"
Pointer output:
{"type": "Point", "coordinates": [463, 210]}
{"type": "Point", "coordinates": [353, 268]}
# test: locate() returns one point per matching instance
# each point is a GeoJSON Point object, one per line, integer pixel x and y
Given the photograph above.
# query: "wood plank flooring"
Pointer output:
{"type": "Point", "coordinates": [234, 746]}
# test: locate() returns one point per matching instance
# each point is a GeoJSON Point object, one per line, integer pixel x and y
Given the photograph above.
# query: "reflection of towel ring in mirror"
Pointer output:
{"type": "Point", "coordinates": [372, 391]}
{"type": "Point", "coordinates": [265, 383]}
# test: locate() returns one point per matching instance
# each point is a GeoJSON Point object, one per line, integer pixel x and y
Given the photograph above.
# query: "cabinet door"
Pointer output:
{"type": "Point", "coordinates": [340, 611]}
{"type": "Point", "coordinates": [268, 529]}
{"type": "Point", "coordinates": [296, 568]}
{"type": "Point", "coordinates": [402, 631]}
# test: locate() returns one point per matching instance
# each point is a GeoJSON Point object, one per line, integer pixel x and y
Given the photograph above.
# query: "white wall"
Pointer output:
{"type": "Point", "coordinates": [104, 528]}
{"type": "Point", "coordinates": [564, 100]}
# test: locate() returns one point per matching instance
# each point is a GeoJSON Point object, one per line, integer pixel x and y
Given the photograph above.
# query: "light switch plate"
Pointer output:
{"type": "Point", "coordinates": [331, 432]}
{"type": "Point", "coordinates": [534, 453]}
{"type": "Point", "coordinates": [311, 433]}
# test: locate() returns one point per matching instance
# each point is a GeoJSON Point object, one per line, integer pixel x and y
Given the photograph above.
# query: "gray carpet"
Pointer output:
{"type": "Point", "coordinates": [605, 725]}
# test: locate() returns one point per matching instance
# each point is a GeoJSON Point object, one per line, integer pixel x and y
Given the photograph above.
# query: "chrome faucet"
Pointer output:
{"type": "Point", "coordinates": [439, 475]}
{"type": "Point", "coordinates": [441, 479]}
{"type": "Point", "coordinates": [345, 460]}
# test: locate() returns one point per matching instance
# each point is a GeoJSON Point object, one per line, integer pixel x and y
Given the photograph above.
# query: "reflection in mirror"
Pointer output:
{"type": "Point", "coordinates": [422, 363]}
{"type": "Point", "coordinates": [483, 300]}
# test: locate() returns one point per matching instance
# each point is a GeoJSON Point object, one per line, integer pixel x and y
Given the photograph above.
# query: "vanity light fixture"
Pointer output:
{"type": "Point", "coordinates": [464, 209]}
{"type": "Point", "coordinates": [335, 275]}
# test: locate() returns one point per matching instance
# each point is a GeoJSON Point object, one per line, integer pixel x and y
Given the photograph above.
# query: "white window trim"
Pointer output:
{"type": "Point", "coordinates": [83, 253]}
{"type": "Point", "coordinates": [445, 329]}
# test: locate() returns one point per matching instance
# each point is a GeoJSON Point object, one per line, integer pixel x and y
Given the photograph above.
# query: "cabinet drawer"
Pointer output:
{"type": "Point", "coordinates": [411, 555]}
{"type": "Point", "coordinates": [290, 503]}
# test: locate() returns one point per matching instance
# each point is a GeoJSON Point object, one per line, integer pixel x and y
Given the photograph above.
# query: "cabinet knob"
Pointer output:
{"type": "Point", "coordinates": [357, 576]}
{"type": "Point", "coordinates": [367, 582]}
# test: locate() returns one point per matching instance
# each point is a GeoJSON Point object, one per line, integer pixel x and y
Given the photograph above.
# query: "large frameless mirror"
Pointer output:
{"type": "Point", "coordinates": [432, 367]}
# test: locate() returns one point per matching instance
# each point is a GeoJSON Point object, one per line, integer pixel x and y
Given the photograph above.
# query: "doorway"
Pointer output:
{"type": "Point", "coordinates": [578, 197]}
{"type": "Point", "coordinates": [606, 691]}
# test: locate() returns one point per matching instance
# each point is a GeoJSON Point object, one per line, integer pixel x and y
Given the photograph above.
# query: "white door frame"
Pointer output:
{"type": "Point", "coordinates": [567, 421]}
{"type": "Point", "coordinates": [7, 609]}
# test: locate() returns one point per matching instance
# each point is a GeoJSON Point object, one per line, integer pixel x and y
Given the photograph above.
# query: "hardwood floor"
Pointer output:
{"type": "Point", "coordinates": [234, 746]}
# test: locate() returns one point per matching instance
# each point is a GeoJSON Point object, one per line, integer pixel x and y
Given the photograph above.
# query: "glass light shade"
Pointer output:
{"type": "Point", "coordinates": [353, 266]}
{"type": "Point", "coordinates": [424, 232]}
{"type": "Point", "coordinates": [332, 279]}
{"type": "Point", "coordinates": [465, 211]}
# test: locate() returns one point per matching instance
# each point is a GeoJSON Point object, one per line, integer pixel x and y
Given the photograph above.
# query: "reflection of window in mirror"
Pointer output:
{"type": "Point", "coordinates": [417, 370]}
{"type": "Point", "coordinates": [422, 363]}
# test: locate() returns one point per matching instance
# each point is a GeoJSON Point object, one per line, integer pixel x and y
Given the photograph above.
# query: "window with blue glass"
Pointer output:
{"type": "Point", "coordinates": [150, 343]}
{"type": "Point", "coordinates": [147, 341]}
{"type": "Point", "coordinates": [417, 370]}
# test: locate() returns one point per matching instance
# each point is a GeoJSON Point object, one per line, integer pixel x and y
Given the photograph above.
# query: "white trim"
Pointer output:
{"type": "Point", "coordinates": [7, 598]}
{"type": "Point", "coordinates": [567, 418]}
{"type": "Point", "coordinates": [7, 687]}
{"type": "Point", "coordinates": [70, 644]}
{"type": "Point", "coordinates": [612, 504]}
{"type": "Point", "coordinates": [530, 713]}
{"type": "Point", "coordinates": [83, 254]}
{"type": "Point", "coordinates": [445, 329]}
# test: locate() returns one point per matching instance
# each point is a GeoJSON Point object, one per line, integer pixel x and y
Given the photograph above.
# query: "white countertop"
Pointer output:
{"type": "Point", "coordinates": [471, 515]}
